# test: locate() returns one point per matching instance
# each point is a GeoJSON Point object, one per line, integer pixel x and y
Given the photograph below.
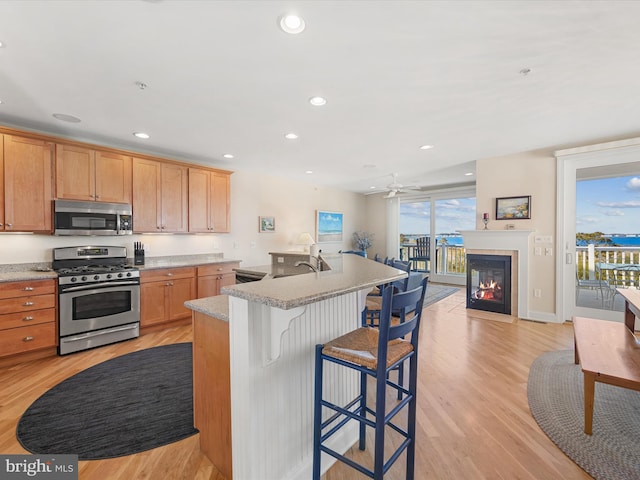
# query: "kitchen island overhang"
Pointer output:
{"type": "Point", "coordinates": [270, 331]}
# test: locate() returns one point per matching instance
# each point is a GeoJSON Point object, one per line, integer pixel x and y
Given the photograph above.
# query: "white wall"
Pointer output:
{"type": "Point", "coordinates": [292, 204]}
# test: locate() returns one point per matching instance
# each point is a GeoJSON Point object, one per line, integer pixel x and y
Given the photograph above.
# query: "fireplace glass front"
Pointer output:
{"type": "Point", "coordinates": [489, 283]}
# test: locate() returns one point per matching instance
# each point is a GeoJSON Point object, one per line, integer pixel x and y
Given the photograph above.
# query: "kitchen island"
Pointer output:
{"type": "Point", "coordinates": [253, 365]}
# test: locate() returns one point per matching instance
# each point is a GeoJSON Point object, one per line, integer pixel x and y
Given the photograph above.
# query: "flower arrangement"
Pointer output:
{"type": "Point", "coordinates": [362, 240]}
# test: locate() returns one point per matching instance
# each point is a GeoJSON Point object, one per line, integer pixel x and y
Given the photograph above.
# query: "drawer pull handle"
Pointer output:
{"type": "Point", "coordinates": [169, 274]}
{"type": "Point", "coordinates": [28, 289]}
{"type": "Point", "coordinates": [28, 339]}
{"type": "Point", "coordinates": [27, 319]}
{"type": "Point", "coordinates": [28, 304]}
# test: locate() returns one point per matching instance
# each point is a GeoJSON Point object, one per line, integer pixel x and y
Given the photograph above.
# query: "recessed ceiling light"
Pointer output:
{"type": "Point", "coordinates": [291, 23]}
{"type": "Point", "coordinates": [227, 155]}
{"type": "Point", "coordinates": [468, 174]}
{"type": "Point", "coordinates": [309, 172]}
{"type": "Point", "coordinates": [318, 101]}
{"type": "Point", "coordinates": [141, 135]}
{"type": "Point", "coordinates": [291, 136]}
{"type": "Point", "coordinates": [66, 118]}
{"type": "Point", "coordinates": [1, 44]}
{"type": "Point", "coordinates": [525, 71]}
{"type": "Point", "coordinates": [372, 187]}
{"type": "Point", "coordinates": [426, 147]}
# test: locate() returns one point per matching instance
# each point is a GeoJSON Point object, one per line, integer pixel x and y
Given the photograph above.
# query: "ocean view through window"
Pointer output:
{"type": "Point", "coordinates": [441, 219]}
{"type": "Point", "coordinates": [607, 240]}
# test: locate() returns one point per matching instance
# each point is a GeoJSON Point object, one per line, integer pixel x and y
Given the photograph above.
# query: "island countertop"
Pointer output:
{"type": "Point", "coordinates": [349, 273]}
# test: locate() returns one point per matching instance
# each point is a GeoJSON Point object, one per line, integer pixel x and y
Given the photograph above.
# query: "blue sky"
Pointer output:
{"type": "Point", "coordinates": [451, 215]}
{"type": "Point", "coordinates": [608, 205]}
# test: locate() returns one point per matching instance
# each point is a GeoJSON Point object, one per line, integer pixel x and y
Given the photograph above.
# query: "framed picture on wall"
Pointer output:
{"type": "Point", "coordinates": [329, 226]}
{"type": "Point", "coordinates": [513, 208]}
{"type": "Point", "coordinates": [266, 224]}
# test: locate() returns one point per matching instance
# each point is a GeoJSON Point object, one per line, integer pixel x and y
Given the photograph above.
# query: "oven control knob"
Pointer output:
{"type": "Point", "coordinates": [128, 274]}
{"type": "Point", "coordinates": [96, 277]}
{"type": "Point", "coordinates": [108, 275]}
{"type": "Point", "coordinates": [73, 279]}
{"type": "Point", "coordinates": [120, 275]}
{"type": "Point", "coordinates": [84, 279]}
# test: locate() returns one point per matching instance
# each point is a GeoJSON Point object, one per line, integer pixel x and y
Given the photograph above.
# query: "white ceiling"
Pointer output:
{"type": "Point", "coordinates": [222, 78]}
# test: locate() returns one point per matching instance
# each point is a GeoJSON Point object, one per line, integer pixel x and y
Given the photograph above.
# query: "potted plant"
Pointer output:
{"type": "Point", "coordinates": [362, 241]}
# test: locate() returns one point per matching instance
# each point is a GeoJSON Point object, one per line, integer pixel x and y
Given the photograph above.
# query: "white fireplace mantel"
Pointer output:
{"type": "Point", "coordinates": [514, 240]}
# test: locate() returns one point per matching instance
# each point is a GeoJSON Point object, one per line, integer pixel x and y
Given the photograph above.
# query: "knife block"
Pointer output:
{"type": "Point", "coordinates": [138, 257]}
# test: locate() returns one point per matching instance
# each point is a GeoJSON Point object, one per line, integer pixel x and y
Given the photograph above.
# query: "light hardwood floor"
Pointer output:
{"type": "Point", "coordinates": [473, 416]}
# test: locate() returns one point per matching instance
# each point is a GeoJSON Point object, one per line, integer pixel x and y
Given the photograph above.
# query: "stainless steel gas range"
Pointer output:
{"type": "Point", "coordinates": [98, 297]}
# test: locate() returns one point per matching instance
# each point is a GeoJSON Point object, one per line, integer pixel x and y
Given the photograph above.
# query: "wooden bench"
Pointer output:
{"type": "Point", "coordinates": [608, 352]}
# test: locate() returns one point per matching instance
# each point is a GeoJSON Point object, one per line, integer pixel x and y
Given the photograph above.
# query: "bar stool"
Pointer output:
{"type": "Point", "coordinates": [373, 352]}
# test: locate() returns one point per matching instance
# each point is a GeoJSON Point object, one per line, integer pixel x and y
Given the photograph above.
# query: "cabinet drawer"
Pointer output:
{"type": "Point", "coordinates": [23, 339]}
{"type": "Point", "coordinates": [216, 269]}
{"type": "Point", "coordinates": [24, 319]}
{"type": "Point", "coordinates": [162, 274]}
{"type": "Point", "coordinates": [27, 288]}
{"type": "Point", "coordinates": [25, 304]}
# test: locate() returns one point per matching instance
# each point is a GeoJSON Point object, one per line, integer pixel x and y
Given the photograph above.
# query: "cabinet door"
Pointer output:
{"type": "Point", "coordinates": [75, 173]}
{"type": "Point", "coordinates": [199, 212]}
{"type": "Point", "coordinates": [220, 202]}
{"type": "Point", "coordinates": [113, 177]}
{"type": "Point", "coordinates": [180, 291]}
{"type": "Point", "coordinates": [27, 177]}
{"type": "Point", "coordinates": [226, 280]}
{"type": "Point", "coordinates": [174, 198]}
{"type": "Point", "coordinates": [208, 286]}
{"type": "Point", "coordinates": [153, 303]}
{"type": "Point", "coordinates": [146, 195]}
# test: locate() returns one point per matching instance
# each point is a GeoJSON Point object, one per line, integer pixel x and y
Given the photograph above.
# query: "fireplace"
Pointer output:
{"type": "Point", "coordinates": [489, 283]}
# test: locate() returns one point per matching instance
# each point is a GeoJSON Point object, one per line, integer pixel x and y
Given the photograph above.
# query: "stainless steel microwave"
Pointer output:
{"type": "Point", "coordinates": [73, 217]}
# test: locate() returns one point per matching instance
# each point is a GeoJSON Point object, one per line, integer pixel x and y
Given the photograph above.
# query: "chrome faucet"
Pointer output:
{"type": "Point", "coordinates": [303, 262]}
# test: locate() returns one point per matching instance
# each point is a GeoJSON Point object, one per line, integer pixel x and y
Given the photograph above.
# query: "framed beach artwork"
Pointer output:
{"type": "Point", "coordinates": [266, 224]}
{"type": "Point", "coordinates": [513, 208]}
{"type": "Point", "coordinates": [328, 226]}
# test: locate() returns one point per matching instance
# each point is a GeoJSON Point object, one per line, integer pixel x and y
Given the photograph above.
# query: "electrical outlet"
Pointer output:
{"type": "Point", "coordinates": [280, 259]}
{"type": "Point", "coordinates": [537, 293]}
{"type": "Point", "coordinates": [538, 251]}
{"type": "Point", "coordinates": [548, 251]}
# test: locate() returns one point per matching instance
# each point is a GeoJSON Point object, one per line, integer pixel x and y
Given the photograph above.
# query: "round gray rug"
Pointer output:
{"type": "Point", "coordinates": [555, 392]}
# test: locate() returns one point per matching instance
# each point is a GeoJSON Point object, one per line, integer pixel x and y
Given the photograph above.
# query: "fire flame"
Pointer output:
{"type": "Point", "coordinates": [491, 290]}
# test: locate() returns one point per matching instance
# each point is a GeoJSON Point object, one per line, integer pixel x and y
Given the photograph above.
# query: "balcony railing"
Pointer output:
{"type": "Point", "coordinates": [450, 259]}
{"type": "Point", "coordinates": [589, 258]}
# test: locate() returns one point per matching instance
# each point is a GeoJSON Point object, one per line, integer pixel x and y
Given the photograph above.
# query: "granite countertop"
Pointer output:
{"type": "Point", "coordinates": [216, 307]}
{"type": "Point", "coordinates": [184, 261]}
{"type": "Point", "coordinates": [349, 273]}
{"type": "Point", "coordinates": [42, 270]}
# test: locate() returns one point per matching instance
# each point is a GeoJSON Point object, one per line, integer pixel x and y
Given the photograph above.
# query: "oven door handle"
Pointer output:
{"type": "Point", "coordinates": [93, 286]}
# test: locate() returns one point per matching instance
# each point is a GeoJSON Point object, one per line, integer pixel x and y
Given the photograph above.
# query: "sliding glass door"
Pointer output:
{"type": "Point", "coordinates": [440, 216]}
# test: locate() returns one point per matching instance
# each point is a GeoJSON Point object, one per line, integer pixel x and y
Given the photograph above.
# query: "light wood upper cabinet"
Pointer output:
{"type": "Point", "coordinates": [160, 196]}
{"type": "Point", "coordinates": [209, 194]}
{"type": "Point", "coordinates": [92, 175]}
{"type": "Point", "coordinates": [27, 185]}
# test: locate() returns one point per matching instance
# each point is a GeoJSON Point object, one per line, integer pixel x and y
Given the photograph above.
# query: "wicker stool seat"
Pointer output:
{"type": "Point", "coordinates": [374, 352]}
{"type": "Point", "coordinates": [361, 347]}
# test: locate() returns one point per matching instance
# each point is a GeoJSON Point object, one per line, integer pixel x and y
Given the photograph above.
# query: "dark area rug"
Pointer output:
{"type": "Point", "coordinates": [436, 293]}
{"type": "Point", "coordinates": [129, 404]}
{"type": "Point", "coordinates": [556, 399]}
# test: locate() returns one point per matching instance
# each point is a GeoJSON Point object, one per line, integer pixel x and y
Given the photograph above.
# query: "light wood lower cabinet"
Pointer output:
{"type": "Point", "coordinates": [27, 316]}
{"type": "Point", "coordinates": [211, 278]}
{"type": "Point", "coordinates": [163, 293]}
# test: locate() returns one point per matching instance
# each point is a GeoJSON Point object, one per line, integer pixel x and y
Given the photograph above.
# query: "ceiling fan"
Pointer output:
{"type": "Point", "coordinates": [395, 188]}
